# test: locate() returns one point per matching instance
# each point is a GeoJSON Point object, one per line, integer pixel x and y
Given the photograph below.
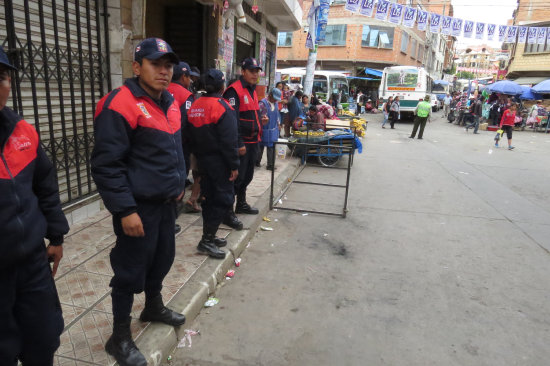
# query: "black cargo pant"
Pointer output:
{"type": "Point", "coordinates": [246, 170]}
{"type": "Point", "coordinates": [419, 121]}
{"type": "Point", "coordinates": [141, 263]}
{"type": "Point", "coordinates": [218, 191]}
{"type": "Point", "coordinates": [30, 313]}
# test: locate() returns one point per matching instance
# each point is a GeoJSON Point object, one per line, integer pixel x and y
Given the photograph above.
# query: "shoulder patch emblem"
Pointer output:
{"type": "Point", "coordinates": [144, 110]}
{"type": "Point", "coordinates": [188, 105]}
{"type": "Point", "coordinates": [232, 101]}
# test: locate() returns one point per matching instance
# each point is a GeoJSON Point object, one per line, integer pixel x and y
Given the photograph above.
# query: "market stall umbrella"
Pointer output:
{"type": "Point", "coordinates": [506, 87]}
{"type": "Point", "coordinates": [528, 94]}
{"type": "Point", "coordinates": [543, 87]}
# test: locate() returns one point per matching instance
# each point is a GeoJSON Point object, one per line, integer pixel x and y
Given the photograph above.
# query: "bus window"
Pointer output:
{"type": "Point", "coordinates": [339, 86]}
{"type": "Point", "coordinates": [296, 80]}
{"type": "Point", "coordinates": [320, 87]}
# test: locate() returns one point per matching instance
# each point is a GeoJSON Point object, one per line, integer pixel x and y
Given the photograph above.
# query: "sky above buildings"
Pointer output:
{"type": "Point", "coordinates": [487, 11]}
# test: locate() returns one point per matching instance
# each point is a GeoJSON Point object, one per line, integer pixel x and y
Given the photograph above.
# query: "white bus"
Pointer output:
{"type": "Point", "coordinates": [409, 83]}
{"type": "Point", "coordinates": [325, 83]}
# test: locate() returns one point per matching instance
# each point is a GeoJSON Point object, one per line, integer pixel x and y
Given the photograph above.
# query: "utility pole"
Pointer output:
{"type": "Point", "coordinates": [310, 69]}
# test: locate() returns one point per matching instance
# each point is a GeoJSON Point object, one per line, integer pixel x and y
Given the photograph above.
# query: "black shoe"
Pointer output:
{"type": "Point", "coordinates": [244, 208]}
{"type": "Point", "coordinates": [419, 138]}
{"type": "Point", "coordinates": [232, 221]}
{"type": "Point", "coordinates": [208, 246]}
{"type": "Point", "coordinates": [155, 311]}
{"type": "Point", "coordinates": [220, 242]}
{"type": "Point", "coordinates": [258, 165]}
{"type": "Point", "coordinates": [122, 347]}
{"type": "Point", "coordinates": [177, 229]}
{"type": "Point", "coordinates": [270, 167]}
{"type": "Point", "coordinates": [411, 137]}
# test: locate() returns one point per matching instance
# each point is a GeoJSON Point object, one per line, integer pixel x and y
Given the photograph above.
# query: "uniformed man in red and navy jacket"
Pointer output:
{"type": "Point", "coordinates": [139, 170]}
{"type": "Point", "coordinates": [243, 98]}
{"type": "Point", "coordinates": [213, 130]}
{"type": "Point", "coordinates": [30, 210]}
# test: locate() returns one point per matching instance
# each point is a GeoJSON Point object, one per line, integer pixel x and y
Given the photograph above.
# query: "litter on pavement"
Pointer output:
{"type": "Point", "coordinates": [266, 228]}
{"type": "Point", "coordinates": [230, 273]}
{"type": "Point", "coordinates": [211, 302]}
{"type": "Point", "coordinates": [187, 338]}
{"type": "Point", "coordinates": [238, 261]}
{"type": "Point", "coordinates": [266, 219]}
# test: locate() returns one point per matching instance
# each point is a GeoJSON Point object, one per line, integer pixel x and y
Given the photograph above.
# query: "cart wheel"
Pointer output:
{"type": "Point", "coordinates": [325, 160]}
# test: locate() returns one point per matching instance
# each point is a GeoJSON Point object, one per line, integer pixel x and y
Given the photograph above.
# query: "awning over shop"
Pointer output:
{"type": "Point", "coordinates": [530, 80]}
{"type": "Point", "coordinates": [373, 72]}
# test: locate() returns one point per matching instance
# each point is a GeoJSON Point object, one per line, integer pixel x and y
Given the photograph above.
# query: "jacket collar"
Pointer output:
{"type": "Point", "coordinates": [247, 85]}
{"type": "Point", "coordinates": [166, 99]}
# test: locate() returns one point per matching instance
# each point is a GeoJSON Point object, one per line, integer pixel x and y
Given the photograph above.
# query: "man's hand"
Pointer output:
{"type": "Point", "coordinates": [233, 176]}
{"type": "Point", "coordinates": [180, 197]}
{"type": "Point", "coordinates": [265, 120]}
{"type": "Point", "coordinates": [132, 225]}
{"type": "Point", "coordinates": [55, 253]}
{"type": "Point", "coordinates": [242, 150]}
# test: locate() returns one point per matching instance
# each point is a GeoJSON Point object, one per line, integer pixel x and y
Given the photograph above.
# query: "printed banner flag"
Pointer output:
{"type": "Point", "coordinates": [367, 6]}
{"type": "Point", "coordinates": [322, 20]}
{"type": "Point", "coordinates": [468, 28]}
{"type": "Point", "coordinates": [532, 36]}
{"type": "Point", "coordinates": [541, 35]}
{"type": "Point", "coordinates": [502, 32]}
{"type": "Point", "coordinates": [382, 10]}
{"type": "Point", "coordinates": [512, 34]}
{"type": "Point", "coordinates": [491, 31]}
{"type": "Point", "coordinates": [352, 5]}
{"type": "Point", "coordinates": [522, 34]}
{"type": "Point", "coordinates": [457, 27]}
{"type": "Point", "coordinates": [396, 13]}
{"type": "Point", "coordinates": [435, 22]}
{"type": "Point", "coordinates": [548, 35]}
{"type": "Point", "coordinates": [446, 25]}
{"type": "Point", "coordinates": [422, 20]}
{"type": "Point", "coordinates": [409, 17]}
{"type": "Point", "coordinates": [480, 30]}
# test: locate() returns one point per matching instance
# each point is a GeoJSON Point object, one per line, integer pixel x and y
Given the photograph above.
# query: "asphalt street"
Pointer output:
{"type": "Point", "coordinates": [443, 259]}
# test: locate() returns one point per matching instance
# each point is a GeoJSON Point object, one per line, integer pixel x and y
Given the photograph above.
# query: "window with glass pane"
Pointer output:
{"type": "Point", "coordinates": [335, 35]}
{"type": "Point", "coordinates": [404, 42]}
{"type": "Point", "coordinates": [284, 39]}
{"type": "Point", "coordinates": [376, 36]}
{"type": "Point", "coordinates": [413, 48]}
{"type": "Point", "coordinates": [420, 56]}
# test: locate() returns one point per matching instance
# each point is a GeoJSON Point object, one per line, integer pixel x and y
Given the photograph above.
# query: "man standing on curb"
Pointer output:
{"type": "Point", "coordinates": [138, 167]}
{"type": "Point", "coordinates": [423, 111]}
{"type": "Point", "coordinates": [243, 98]}
{"type": "Point", "coordinates": [30, 211]}
{"type": "Point", "coordinates": [214, 132]}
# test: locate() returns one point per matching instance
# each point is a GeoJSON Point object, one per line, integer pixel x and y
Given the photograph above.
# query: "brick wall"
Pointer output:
{"type": "Point", "coordinates": [530, 11]}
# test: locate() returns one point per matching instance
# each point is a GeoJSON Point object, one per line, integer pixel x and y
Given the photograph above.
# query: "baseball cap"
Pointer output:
{"type": "Point", "coordinates": [5, 61]}
{"type": "Point", "coordinates": [214, 77]}
{"type": "Point", "coordinates": [195, 71]}
{"type": "Point", "coordinates": [427, 98]}
{"type": "Point", "coordinates": [153, 49]}
{"type": "Point", "coordinates": [276, 94]}
{"type": "Point", "coordinates": [250, 63]}
{"type": "Point", "coordinates": [181, 69]}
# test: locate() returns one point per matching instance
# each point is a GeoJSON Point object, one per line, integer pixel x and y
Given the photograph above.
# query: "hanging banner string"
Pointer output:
{"type": "Point", "coordinates": [436, 23]}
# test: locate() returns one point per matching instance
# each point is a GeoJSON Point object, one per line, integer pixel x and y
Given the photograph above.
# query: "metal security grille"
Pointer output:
{"type": "Point", "coordinates": [60, 48]}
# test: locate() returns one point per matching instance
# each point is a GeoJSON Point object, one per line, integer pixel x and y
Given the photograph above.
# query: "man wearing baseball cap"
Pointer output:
{"type": "Point", "coordinates": [30, 211]}
{"type": "Point", "coordinates": [214, 133]}
{"type": "Point", "coordinates": [243, 98]}
{"type": "Point", "coordinates": [139, 170]}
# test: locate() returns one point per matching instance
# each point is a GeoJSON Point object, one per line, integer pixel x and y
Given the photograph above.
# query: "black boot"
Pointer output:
{"type": "Point", "coordinates": [220, 242]}
{"type": "Point", "coordinates": [245, 208]}
{"type": "Point", "coordinates": [208, 245]}
{"type": "Point", "coordinates": [155, 311]}
{"type": "Point", "coordinates": [232, 221]}
{"type": "Point", "coordinates": [122, 347]}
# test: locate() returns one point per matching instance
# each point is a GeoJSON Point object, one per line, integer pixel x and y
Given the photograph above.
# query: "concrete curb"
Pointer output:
{"type": "Point", "coordinates": [158, 341]}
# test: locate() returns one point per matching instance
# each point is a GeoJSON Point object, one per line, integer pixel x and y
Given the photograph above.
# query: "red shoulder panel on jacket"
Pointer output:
{"type": "Point", "coordinates": [20, 149]}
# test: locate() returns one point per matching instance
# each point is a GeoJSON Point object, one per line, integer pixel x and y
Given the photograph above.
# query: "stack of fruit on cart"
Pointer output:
{"type": "Point", "coordinates": [360, 125]}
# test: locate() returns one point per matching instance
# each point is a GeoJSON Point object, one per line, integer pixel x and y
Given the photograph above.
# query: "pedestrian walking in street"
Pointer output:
{"type": "Point", "coordinates": [30, 211]}
{"type": "Point", "coordinates": [243, 98]}
{"type": "Point", "coordinates": [214, 132]}
{"type": "Point", "coordinates": [394, 112]}
{"type": "Point", "coordinates": [446, 105]}
{"type": "Point", "coordinates": [507, 124]}
{"type": "Point", "coordinates": [423, 113]}
{"type": "Point", "coordinates": [139, 170]}
{"type": "Point", "coordinates": [476, 112]}
{"type": "Point", "coordinates": [386, 109]}
{"type": "Point", "coordinates": [271, 130]}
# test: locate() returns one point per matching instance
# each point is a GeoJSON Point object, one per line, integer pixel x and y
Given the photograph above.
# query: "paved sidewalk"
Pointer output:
{"type": "Point", "coordinates": [85, 271]}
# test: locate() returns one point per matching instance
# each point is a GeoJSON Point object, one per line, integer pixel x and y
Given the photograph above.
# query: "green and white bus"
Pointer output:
{"type": "Point", "coordinates": [409, 83]}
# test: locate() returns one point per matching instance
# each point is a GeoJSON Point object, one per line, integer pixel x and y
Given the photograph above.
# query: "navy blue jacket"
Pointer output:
{"type": "Point", "coordinates": [137, 154]}
{"type": "Point", "coordinates": [30, 209]}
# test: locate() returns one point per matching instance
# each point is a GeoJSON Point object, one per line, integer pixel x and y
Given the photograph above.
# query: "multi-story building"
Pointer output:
{"type": "Point", "coordinates": [70, 54]}
{"type": "Point", "coordinates": [530, 63]}
{"type": "Point", "coordinates": [481, 60]}
{"type": "Point", "coordinates": [355, 43]}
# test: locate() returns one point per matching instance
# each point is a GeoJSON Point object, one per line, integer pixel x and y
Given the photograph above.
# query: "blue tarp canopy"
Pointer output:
{"type": "Point", "coordinates": [542, 87]}
{"type": "Point", "coordinates": [373, 72]}
{"type": "Point", "coordinates": [528, 94]}
{"type": "Point", "coordinates": [441, 82]}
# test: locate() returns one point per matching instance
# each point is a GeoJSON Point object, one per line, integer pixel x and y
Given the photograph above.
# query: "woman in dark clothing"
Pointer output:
{"type": "Point", "coordinates": [394, 112]}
